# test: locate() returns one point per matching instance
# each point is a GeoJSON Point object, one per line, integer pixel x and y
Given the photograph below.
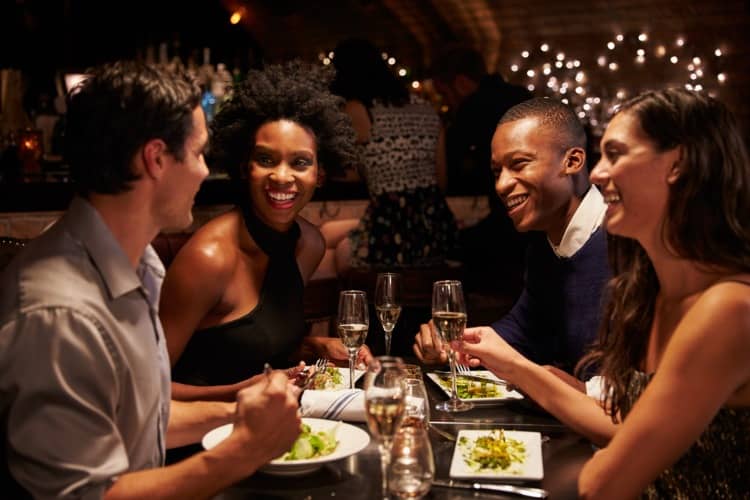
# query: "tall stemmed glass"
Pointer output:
{"type": "Point", "coordinates": [384, 405]}
{"type": "Point", "coordinates": [353, 322]}
{"type": "Point", "coordinates": [388, 304]}
{"type": "Point", "coordinates": [449, 316]}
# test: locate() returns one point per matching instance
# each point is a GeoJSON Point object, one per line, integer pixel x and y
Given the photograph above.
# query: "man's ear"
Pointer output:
{"type": "Point", "coordinates": [574, 161]}
{"type": "Point", "coordinates": [153, 156]}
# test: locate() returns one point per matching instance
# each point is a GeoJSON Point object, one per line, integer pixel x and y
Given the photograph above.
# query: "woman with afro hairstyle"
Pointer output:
{"type": "Point", "coordinates": [232, 298]}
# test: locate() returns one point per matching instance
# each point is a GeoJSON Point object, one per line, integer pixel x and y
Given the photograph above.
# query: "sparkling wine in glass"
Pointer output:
{"type": "Point", "coordinates": [353, 323]}
{"type": "Point", "coordinates": [384, 406]}
{"type": "Point", "coordinates": [449, 317]}
{"type": "Point", "coordinates": [388, 304]}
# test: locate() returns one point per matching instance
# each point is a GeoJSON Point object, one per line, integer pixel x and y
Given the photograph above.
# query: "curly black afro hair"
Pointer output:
{"type": "Point", "coordinates": [294, 91]}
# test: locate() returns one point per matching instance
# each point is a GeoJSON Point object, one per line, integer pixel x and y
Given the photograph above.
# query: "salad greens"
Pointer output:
{"type": "Point", "coordinates": [493, 451]}
{"type": "Point", "coordinates": [312, 444]}
{"type": "Point", "coordinates": [329, 378]}
{"type": "Point", "coordinates": [469, 389]}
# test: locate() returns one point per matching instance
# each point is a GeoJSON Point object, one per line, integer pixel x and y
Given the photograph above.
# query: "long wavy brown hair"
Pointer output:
{"type": "Point", "coordinates": [707, 221]}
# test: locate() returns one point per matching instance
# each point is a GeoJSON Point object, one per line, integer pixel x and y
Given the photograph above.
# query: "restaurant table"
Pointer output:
{"type": "Point", "coordinates": [358, 476]}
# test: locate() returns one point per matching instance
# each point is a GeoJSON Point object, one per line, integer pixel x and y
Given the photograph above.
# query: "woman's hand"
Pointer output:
{"type": "Point", "coordinates": [483, 346]}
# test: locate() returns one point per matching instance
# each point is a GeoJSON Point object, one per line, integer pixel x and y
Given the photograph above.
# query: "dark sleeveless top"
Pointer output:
{"type": "Point", "coordinates": [717, 465]}
{"type": "Point", "coordinates": [271, 332]}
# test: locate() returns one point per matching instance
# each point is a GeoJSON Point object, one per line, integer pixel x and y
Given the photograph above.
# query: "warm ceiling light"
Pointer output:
{"type": "Point", "coordinates": [236, 17]}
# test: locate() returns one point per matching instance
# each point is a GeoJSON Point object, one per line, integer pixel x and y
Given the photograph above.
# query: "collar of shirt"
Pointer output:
{"type": "Point", "coordinates": [85, 223]}
{"type": "Point", "coordinates": [586, 219]}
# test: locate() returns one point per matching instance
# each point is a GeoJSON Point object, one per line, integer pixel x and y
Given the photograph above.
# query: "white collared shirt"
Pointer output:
{"type": "Point", "coordinates": [585, 221]}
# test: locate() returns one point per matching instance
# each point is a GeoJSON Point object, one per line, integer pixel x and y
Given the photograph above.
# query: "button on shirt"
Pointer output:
{"type": "Point", "coordinates": [84, 370]}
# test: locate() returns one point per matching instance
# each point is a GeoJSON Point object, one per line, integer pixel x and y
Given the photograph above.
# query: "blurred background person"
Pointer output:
{"type": "Point", "coordinates": [407, 222]}
{"type": "Point", "coordinates": [492, 251]}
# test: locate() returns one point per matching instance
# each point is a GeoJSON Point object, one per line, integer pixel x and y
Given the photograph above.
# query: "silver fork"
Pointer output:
{"type": "Point", "coordinates": [319, 366]}
{"type": "Point", "coordinates": [463, 369]}
{"type": "Point", "coordinates": [466, 372]}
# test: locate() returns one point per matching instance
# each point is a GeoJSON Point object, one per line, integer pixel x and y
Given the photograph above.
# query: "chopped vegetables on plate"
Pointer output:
{"type": "Point", "coordinates": [468, 389]}
{"type": "Point", "coordinates": [311, 444]}
{"type": "Point", "coordinates": [327, 379]}
{"type": "Point", "coordinates": [492, 451]}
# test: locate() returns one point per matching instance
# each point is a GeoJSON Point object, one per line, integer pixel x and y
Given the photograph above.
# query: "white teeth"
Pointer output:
{"type": "Point", "coordinates": [281, 196]}
{"type": "Point", "coordinates": [611, 198]}
{"type": "Point", "coordinates": [515, 201]}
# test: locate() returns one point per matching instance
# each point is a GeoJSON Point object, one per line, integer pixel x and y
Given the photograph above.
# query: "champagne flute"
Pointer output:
{"type": "Point", "coordinates": [388, 304]}
{"type": "Point", "coordinates": [384, 406]}
{"type": "Point", "coordinates": [353, 322]}
{"type": "Point", "coordinates": [449, 317]}
{"type": "Point", "coordinates": [412, 467]}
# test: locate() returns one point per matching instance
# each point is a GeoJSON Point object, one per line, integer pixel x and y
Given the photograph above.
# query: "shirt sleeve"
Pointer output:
{"type": "Point", "coordinates": [60, 372]}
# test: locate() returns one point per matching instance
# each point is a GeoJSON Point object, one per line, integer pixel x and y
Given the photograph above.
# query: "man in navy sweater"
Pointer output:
{"type": "Point", "coordinates": [539, 163]}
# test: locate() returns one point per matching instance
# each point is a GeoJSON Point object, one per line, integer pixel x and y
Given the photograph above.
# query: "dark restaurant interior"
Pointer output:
{"type": "Point", "coordinates": [593, 55]}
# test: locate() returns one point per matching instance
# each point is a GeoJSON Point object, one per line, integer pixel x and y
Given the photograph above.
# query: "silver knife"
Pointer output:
{"type": "Point", "coordinates": [477, 378]}
{"type": "Point", "coordinates": [524, 491]}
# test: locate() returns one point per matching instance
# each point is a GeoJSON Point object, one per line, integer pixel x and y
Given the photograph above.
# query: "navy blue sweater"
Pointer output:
{"type": "Point", "coordinates": [557, 315]}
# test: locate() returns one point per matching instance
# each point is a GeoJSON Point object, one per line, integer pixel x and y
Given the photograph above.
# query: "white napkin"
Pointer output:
{"type": "Point", "coordinates": [347, 404]}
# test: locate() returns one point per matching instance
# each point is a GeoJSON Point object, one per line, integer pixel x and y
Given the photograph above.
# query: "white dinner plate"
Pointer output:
{"type": "Point", "coordinates": [503, 394]}
{"type": "Point", "coordinates": [344, 384]}
{"type": "Point", "coordinates": [530, 468]}
{"type": "Point", "coordinates": [350, 439]}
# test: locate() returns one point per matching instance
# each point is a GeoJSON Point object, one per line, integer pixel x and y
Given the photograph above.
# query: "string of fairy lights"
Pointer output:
{"type": "Point", "coordinates": [596, 84]}
{"type": "Point", "coordinates": [627, 65]}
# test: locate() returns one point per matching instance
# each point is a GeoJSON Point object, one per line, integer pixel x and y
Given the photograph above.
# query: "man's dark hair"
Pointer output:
{"type": "Point", "coordinates": [292, 91]}
{"type": "Point", "coordinates": [117, 109]}
{"type": "Point", "coordinates": [550, 113]}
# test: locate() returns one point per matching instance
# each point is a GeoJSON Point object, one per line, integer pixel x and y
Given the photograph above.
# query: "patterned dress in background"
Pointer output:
{"type": "Point", "coordinates": [407, 223]}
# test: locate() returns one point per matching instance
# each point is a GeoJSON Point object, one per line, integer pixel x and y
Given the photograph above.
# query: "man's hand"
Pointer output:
{"type": "Point", "coordinates": [428, 347]}
{"type": "Point", "coordinates": [267, 417]}
{"type": "Point", "coordinates": [334, 350]}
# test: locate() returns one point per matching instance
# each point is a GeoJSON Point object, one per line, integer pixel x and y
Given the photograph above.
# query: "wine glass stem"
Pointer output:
{"type": "Point", "coordinates": [385, 459]}
{"type": "Point", "coordinates": [388, 336]}
{"type": "Point", "coordinates": [452, 361]}
{"type": "Point", "coordinates": [352, 360]}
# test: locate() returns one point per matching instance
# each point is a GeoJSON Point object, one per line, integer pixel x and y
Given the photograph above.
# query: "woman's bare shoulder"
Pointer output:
{"type": "Point", "coordinates": [214, 247]}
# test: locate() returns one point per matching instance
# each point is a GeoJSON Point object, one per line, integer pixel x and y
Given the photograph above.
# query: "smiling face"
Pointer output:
{"type": "Point", "coordinates": [283, 172]}
{"type": "Point", "coordinates": [634, 178]}
{"type": "Point", "coordinates": [532, 178]}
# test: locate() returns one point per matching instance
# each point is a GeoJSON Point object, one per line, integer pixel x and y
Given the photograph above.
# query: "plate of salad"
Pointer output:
{"type": "Point", "coordinates": [333, 378]}
{"type": "Point", "coordinates": [498, 454]}
{"type": "Point", "coordinates": [490, 389]}
{"type": "Point", "coordinates": [320, 441]}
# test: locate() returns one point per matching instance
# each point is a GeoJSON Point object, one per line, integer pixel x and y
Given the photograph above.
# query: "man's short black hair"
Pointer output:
{"type": "Point", "coordinates": [552, 113]}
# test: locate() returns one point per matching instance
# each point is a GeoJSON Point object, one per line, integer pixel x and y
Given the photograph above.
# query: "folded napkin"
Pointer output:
{"type": "Point", "coordinates": [348, 404]}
